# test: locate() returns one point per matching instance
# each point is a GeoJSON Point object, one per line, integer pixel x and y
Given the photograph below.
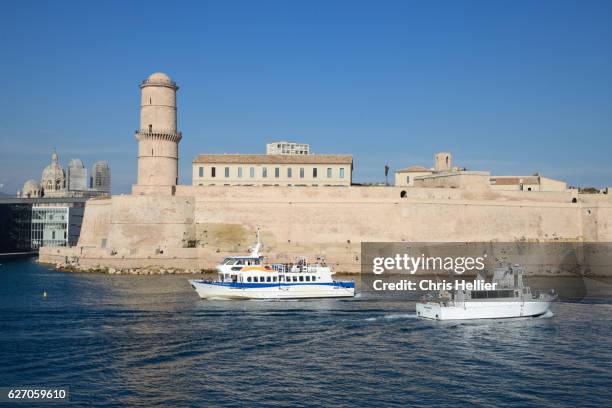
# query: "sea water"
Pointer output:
{"type": "Point", "coordinates": [150, 341]}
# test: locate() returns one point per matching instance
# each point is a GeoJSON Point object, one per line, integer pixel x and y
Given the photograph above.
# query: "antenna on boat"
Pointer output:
{"type": "Point", "coordinates": [255, 250]}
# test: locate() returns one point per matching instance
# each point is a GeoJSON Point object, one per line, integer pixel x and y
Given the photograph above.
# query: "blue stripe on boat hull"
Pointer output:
{"type": "Point", "coordinates": [244, 285]}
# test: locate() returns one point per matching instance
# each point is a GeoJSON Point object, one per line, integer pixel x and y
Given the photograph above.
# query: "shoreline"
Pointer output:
{"type": "Point", "coordinates": [155, 270]}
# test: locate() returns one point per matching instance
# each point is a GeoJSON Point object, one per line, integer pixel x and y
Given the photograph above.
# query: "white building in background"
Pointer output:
{"type": "Point", "coordinates": [284, 147]}
{"type": "Point", "coordinates": [101, 177]}
{"type": "Point", "coordinates": [77, 175]}
{"type": "Point", "coordinates": [56, 225]}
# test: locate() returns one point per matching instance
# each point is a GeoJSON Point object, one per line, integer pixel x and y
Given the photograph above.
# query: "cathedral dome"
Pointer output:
{"type": "Point", "coordinates": [54, 176]}
{"type": "Point", "coordinates": [31, 189]}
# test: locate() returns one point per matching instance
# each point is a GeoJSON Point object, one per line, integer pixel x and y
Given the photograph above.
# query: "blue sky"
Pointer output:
{"type": "Point", "coordinates": [513, 87]}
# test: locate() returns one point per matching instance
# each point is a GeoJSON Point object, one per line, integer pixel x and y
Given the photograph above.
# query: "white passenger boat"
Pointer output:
{"type": "Point", "coordinates": [249, 277]}
{"type": "Point", "coordinates": [509, 298]}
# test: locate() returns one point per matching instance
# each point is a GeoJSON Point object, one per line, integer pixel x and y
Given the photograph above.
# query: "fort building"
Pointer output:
{"type": "Point", "coordinates": [272, 170]}
{"type": "Point", "coordinates": [157, 136]}
{"type": "Point", "coordinates": [527, 183]}
{"type": "Point", "coordinates": [443, 173]}
{"type": "Point", "coordinates": [406, 176]}
{"type": "Point", "coordinates": [163, 225]}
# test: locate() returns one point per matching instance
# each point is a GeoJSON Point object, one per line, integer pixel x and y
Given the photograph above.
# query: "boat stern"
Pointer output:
{"type": "Point", "coordinates": [429, 310]}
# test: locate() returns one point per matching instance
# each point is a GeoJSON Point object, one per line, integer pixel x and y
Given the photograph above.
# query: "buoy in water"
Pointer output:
{"type": "Point", "coordinates": [44, 294]}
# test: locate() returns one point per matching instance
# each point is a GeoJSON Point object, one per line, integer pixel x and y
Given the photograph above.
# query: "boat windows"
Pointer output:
{"type": "Point", "coordinates": [295, 279]}
{"type": "Point", "coordinates": [492, 294]}
{"type": "Point", "coordinates": [301, 279]}
{"type": "Point", "coordinates": [308, 279]}
{"type": "Point", "coordinates": [274, 278]}
{"type": "Point", "coordinates": [249, 279]}
{"type": "Point", "coordinates": [268, 279]}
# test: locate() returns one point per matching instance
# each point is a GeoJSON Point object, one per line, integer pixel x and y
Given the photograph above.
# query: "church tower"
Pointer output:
{"type": "Point", "coordinates": [157, 137]}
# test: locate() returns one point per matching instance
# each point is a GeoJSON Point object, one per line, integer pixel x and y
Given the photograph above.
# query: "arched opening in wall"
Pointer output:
{"type": "Point", "coordinates": [150, 128]}
{"type": "Point", "coordinates": [403, 194]}
{"type": "Point", "coordinates": [151, 152]}
{"type": "Point", "coordinates": [574, 200]}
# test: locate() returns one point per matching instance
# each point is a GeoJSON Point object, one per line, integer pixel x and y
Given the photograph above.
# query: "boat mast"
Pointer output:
{"type": "Point", "coordinates": [255, 250]}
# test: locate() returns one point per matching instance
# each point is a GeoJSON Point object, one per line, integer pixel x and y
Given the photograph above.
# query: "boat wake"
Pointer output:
{"type": "Point", "coordinates": [275, 300]}
{"type": "Point", "coordinates": [546, 315]}
{"type": "Point", "coordinates": [393, 316]}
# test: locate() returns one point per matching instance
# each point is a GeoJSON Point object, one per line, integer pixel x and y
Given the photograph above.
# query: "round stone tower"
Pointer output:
{"type": "Point", "coordinates": [157, 137]}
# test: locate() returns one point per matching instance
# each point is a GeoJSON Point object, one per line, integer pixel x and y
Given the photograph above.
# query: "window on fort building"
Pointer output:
{"type": "Point", "coordinates": [264, 172]}
{"type": "Point", "coordinates": [227, 172]}
{"type": "Point", "coordinates": [314, 172]}
{"type": "Point", "coordinates": [289, 172]}
{"type": "Point", "coordinates": [301, 172]}
{"type": "Point", "coordinates": [252, 172]}
{"type": "Point", "coordinates": [239, 171]}
{"type": "Point", "coordinates": [329, 172]}
{"type": "Point", "coordinates": [213, 172]}
{"type": "Point", "coordinates": [341, 172]}
{"type": "Point", "coordinates": [276, 172]}
{"type": "Point", "coordinates": [407, 179]}
{"type": "Point", "coordinates": [201, 171]}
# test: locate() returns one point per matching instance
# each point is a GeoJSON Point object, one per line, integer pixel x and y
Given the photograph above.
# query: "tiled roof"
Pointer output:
{"type": "Point", "coordinates": [413, 169]}
{"type": "Point", "coordinates": [275, 158]}
{"type": "Point", "coordinates": [509, 181]}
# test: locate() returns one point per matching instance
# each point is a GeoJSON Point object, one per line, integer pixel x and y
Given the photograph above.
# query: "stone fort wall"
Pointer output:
{"type": "Point", "coordinates": [197, 226]}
